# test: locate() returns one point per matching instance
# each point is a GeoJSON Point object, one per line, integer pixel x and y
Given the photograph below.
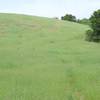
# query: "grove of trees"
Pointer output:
{"type": "Point", "coordinates": [72, 18]}
{"type": "Point", "coordinates": [69, 17]}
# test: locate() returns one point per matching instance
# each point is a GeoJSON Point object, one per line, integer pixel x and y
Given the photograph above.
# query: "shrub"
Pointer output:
{"type": "Point", "coordinates": [89, 35]}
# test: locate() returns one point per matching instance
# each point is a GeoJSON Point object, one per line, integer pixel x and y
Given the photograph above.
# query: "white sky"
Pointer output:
{"type": "Point", "coordinates": [50, 8]}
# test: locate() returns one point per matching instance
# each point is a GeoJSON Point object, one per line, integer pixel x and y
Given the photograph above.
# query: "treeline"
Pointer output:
{"type": "Point", "coordinates": [93, 22]}
{"type": "Point", "coordinates": [73, 18]}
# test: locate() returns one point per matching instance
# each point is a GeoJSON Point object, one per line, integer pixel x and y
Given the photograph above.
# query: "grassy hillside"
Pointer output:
{"type": "Point", "coordinates": [47, 59]}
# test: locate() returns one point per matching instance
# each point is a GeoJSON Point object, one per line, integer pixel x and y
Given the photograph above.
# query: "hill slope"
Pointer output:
{"type": "Point", "coordinates": [47, 59]}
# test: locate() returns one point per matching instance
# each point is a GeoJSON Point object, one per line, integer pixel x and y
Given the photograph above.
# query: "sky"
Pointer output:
{"type": "Point", "coordinates": [50, 8]}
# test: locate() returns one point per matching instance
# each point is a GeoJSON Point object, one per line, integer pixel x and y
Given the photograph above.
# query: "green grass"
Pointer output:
{"type": "Point", "coordinates": [47, 59]}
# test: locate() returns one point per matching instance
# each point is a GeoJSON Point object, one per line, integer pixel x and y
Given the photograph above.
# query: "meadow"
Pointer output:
{"type": "Point", "coordinates": [47, 59]}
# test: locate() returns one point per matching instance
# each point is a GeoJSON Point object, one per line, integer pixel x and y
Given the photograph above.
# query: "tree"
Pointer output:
{"type": "Point", "coordinates": [69, 17]}
{"type": "Point", "coordinates": [95, 25]}
{"type": "Point", "coordinates": [95, 22]}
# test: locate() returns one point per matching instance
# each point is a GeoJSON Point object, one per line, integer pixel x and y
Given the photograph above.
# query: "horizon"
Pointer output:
{"type": "Point", "coordinates": [50, 8]}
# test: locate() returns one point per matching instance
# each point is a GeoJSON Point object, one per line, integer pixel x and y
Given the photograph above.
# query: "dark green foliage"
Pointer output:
{"type": "Point", "coordinates": [95, 25]}
{"type": "Point", "coordinates": [89, 35]}
{"type": "Point", "coordinates": [72, 18]}
{"type": "Point", "coordinates": [69, 17]}
{"type": "Point", "coordinates": [95, 22]}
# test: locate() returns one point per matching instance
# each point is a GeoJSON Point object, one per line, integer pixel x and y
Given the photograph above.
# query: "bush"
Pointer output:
{"type": "Point", "coordinates": [90, 36]}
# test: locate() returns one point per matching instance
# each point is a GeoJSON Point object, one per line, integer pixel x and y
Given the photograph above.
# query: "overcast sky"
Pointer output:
{"type": "Point", "coordinates": [50, 8]}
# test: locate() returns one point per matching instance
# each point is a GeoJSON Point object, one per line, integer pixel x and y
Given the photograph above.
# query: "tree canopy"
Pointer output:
{"type": "Point", "coordinates": [69, 17]}
{"type": "Point", "coordinates": [94, 35]}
